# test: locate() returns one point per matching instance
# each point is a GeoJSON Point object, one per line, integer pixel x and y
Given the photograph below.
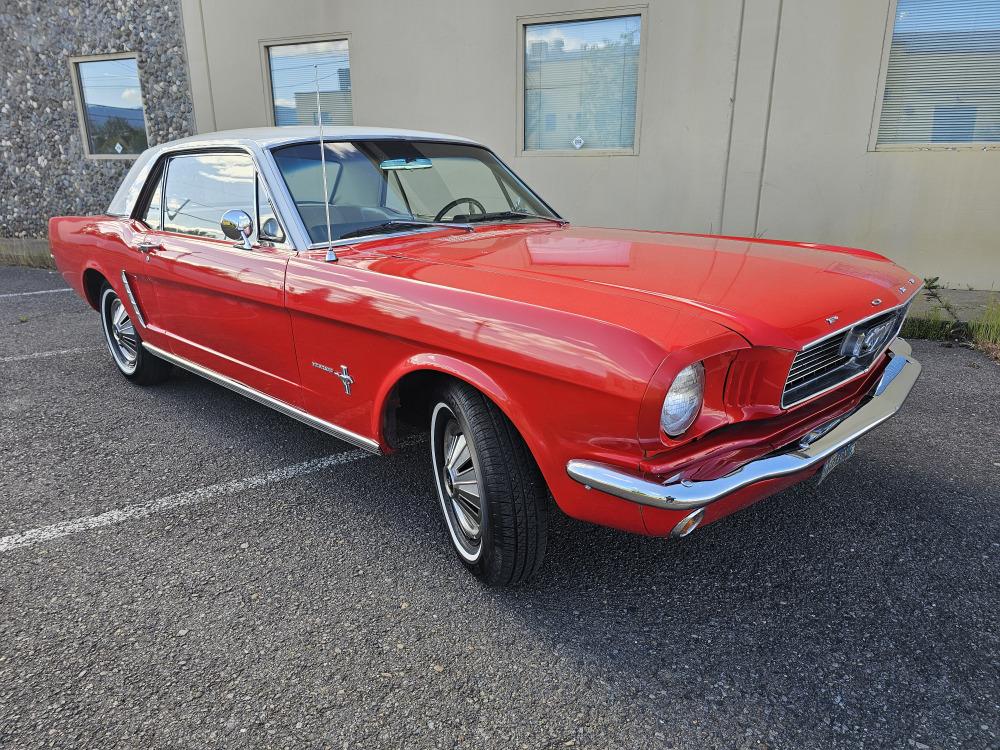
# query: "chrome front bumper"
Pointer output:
{"type": "Point", "coordinates": [887, 397]}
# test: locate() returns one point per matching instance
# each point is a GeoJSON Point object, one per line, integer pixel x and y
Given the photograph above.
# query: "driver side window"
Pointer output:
{"type": "Point", "coordinates": [200, 188]}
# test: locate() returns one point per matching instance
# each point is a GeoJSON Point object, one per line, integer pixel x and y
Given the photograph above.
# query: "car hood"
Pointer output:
{"type": "Point", "coordinates": [772, 293]}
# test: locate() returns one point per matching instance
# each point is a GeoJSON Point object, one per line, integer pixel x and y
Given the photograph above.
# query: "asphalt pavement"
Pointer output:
{"type": "Point", "coordinates": [183, 568]}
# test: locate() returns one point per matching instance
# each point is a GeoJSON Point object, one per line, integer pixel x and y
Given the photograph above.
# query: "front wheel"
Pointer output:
{"type": "Point", "coordinates": [125, 343]}
{"type": "Point", "coordinates": [492, 495]}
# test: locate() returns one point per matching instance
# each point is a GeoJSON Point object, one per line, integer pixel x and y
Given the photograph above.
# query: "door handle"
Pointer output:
{"type": "Point", "coordinates": [148, 247]}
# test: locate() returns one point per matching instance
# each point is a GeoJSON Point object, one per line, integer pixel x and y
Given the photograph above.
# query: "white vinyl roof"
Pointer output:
{"type": "Point", "coordinates": [270, 137]}
{"type": "Point", "coordinates": [258, 140]}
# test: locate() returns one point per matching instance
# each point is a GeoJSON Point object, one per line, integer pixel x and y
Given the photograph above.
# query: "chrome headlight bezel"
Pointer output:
{"type": "Point", "coordinates": [683, 400]}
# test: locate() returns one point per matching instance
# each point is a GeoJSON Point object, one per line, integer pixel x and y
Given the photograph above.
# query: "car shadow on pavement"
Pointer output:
{"type": "Point", "coordinates": [858, 609]}
{"type": "Point", "coordinates": [857, 605]}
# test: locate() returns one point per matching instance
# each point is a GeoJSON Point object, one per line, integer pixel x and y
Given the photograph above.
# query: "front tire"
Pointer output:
{"type": "Point", "coordinates": [492, 495]}
{"type": "Point", "coordinates": [125, 343]}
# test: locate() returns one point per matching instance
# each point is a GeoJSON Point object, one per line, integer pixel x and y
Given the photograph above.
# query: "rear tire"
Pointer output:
{"type": "Point", "coordinates": [492, 495]}
{"type": "Point", "coordinates": [125, 343]}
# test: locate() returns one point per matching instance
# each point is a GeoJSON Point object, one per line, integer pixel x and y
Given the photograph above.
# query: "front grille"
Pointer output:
{"type": "Point", "coordinates": [840, 356]}
{"type": "Point", "coordinates": [817, 361]}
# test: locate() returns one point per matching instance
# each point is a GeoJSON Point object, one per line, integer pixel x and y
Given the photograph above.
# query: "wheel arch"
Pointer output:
{"type": "Point", "coordinates": [410, 385]}
{"type": "Point", "coordinates": [93, 279]}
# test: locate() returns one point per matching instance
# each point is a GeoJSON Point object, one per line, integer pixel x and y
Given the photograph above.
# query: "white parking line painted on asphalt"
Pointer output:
{"type": "Point", "coordinates": [189, 497]}
{"type": "Point", "coordinates": [54, 353]}
{"type": "Point", "coordinates": [28, 294]}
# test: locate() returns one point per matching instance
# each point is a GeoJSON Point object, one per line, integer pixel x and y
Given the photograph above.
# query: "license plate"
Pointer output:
{"type": "Point", "coordinates": [836, 460]}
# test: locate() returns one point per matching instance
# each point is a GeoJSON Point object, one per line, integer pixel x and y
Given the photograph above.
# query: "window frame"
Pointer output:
{"type": "Point", "coordinates": [265, 64]}
{"type": "Point", "coordinates": [883, 74]}
{"type": "Point", "coordinates": [300, 225]}
{"type": "Point", "coordinates": [597, 14]}
{"type": "Point", "coordinates": [160, 172]}
{"type": "Point", "coordinates": [259, 184]}
{"type": "Point", "coordinates": [81, 110]}
{"type": "Point", "coordinates": [159, 177]}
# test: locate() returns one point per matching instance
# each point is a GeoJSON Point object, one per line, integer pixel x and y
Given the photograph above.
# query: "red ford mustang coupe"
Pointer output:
{"type": "Point", "coordinates": [648, 381]}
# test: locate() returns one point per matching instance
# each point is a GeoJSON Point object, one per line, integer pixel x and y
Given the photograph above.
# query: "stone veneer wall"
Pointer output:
{"type": "Point", "coordinates": [43, 169]}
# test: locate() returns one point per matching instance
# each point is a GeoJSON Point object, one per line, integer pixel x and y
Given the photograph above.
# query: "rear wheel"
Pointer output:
{"type": "Point", "coordinates": [125, 343]}
{"type": "Point", "coordinates": [492, 495]}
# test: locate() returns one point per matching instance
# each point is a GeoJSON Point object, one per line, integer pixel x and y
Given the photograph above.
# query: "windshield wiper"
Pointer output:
{"type": "Point", "coordinates": [391, 224]}
{"type": "Point", "coordinates": [500, 215]}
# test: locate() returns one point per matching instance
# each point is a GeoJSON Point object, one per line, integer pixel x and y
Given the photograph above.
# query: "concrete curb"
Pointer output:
{"type": "Point", "coordinates": [969, 304]}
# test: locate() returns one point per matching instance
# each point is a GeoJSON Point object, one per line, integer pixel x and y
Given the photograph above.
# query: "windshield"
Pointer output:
{"type": "Point", "coordinates": [394, 185]}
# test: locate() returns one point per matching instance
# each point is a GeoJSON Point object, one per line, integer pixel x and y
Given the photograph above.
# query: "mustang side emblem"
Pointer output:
{"type": "Point", "coordinates": [344, 375]}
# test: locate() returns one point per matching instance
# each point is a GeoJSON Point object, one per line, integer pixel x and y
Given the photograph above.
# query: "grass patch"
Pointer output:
{"type": "Point", "coordinates": [985, 332]}
{"type": "Point", "coordinates": [934, 326]}
{"type": "Point", "coordinates": [31, 261]}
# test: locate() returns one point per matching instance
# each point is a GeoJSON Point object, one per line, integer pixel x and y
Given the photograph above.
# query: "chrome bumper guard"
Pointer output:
{"type": "Point", "coordinates": [886, 398]}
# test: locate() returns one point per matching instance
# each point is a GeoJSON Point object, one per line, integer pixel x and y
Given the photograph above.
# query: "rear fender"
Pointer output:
{"type": "Point", "coordinates": [82, 244]}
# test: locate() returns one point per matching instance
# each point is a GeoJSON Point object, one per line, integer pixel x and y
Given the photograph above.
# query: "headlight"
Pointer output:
{"type": "Point", "coordinates": [683, 401]}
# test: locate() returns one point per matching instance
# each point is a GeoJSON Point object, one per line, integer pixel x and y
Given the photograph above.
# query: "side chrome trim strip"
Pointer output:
{"type": "Point", "coordinates": [131, 298]}
{"type": "Point", "coordinates": [262, 398]}
{"type": "Point", "coordinates": [887, 397]}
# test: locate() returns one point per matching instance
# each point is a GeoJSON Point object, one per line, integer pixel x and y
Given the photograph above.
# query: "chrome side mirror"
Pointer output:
{"type": "Point", "coordinates": [237, 225]}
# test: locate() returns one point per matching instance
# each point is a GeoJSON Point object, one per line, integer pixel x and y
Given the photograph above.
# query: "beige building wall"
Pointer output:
{"type": "Point", "coordinates": [755, 116]}
{"type": "Point", "coordinates": [935, 211]}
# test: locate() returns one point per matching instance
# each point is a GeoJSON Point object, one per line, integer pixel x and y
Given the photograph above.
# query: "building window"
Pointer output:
{"type": "Point", "coordinates": [109, 102]}
{"type": "Point", "coordinates": [293, 69]}
{"type": "Point", "coordinates": [942, 74]}
{"type": "Point", "coordinates": [581, 84]}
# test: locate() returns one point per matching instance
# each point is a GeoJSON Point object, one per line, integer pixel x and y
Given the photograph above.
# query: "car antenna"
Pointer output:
{"type": "Point", "coordinates": [331, 255]}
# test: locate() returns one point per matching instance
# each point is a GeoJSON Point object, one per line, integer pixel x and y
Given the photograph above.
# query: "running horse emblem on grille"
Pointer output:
{"type": "Point", "coordinates": [864, 341]}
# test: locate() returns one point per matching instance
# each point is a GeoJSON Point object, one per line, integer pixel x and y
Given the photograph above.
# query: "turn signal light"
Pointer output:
{"type": "Point", "coordinates": [688, 524]}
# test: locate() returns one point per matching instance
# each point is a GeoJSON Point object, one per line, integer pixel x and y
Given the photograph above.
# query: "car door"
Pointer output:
{"type": "Point", "coordinates": [222, 305]}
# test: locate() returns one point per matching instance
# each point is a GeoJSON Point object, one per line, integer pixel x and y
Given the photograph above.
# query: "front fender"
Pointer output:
{"type": "Point", "coordinates": [523, 401]}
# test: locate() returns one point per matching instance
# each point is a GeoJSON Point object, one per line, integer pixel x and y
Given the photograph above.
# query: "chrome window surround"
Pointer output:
{"type": "Point", "coordinates": [169, 154]}
{"type": "Point", "coordinates": [265, 170]}
{"type": "Point", "coordinates": [854, 375]}
{"type": "Point", "coordinates": [380, 236]}
{"type": "Point", "coordinates": [403, 233]}
{"type": "Point", "coordinates": [258, 183]}
{"type": "Point", "coordinates": [297, 239]}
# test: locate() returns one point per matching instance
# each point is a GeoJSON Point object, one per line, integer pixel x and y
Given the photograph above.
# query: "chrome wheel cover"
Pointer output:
{"type": "Point", "coordinates": [119, 330]}
{"type": "Point", "coordinates": [457, 474]}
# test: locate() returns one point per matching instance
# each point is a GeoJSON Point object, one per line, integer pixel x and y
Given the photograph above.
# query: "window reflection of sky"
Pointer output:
{"type": "Point", "coordinates": [294, 68]}
{"type": "Point", "coordinates": [111, 83]}
{"type": "Point", "coordinates": [957, 15]}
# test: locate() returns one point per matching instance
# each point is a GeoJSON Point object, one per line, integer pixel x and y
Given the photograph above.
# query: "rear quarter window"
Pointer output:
{"type": "Point", "coordinates": [153, 215]}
